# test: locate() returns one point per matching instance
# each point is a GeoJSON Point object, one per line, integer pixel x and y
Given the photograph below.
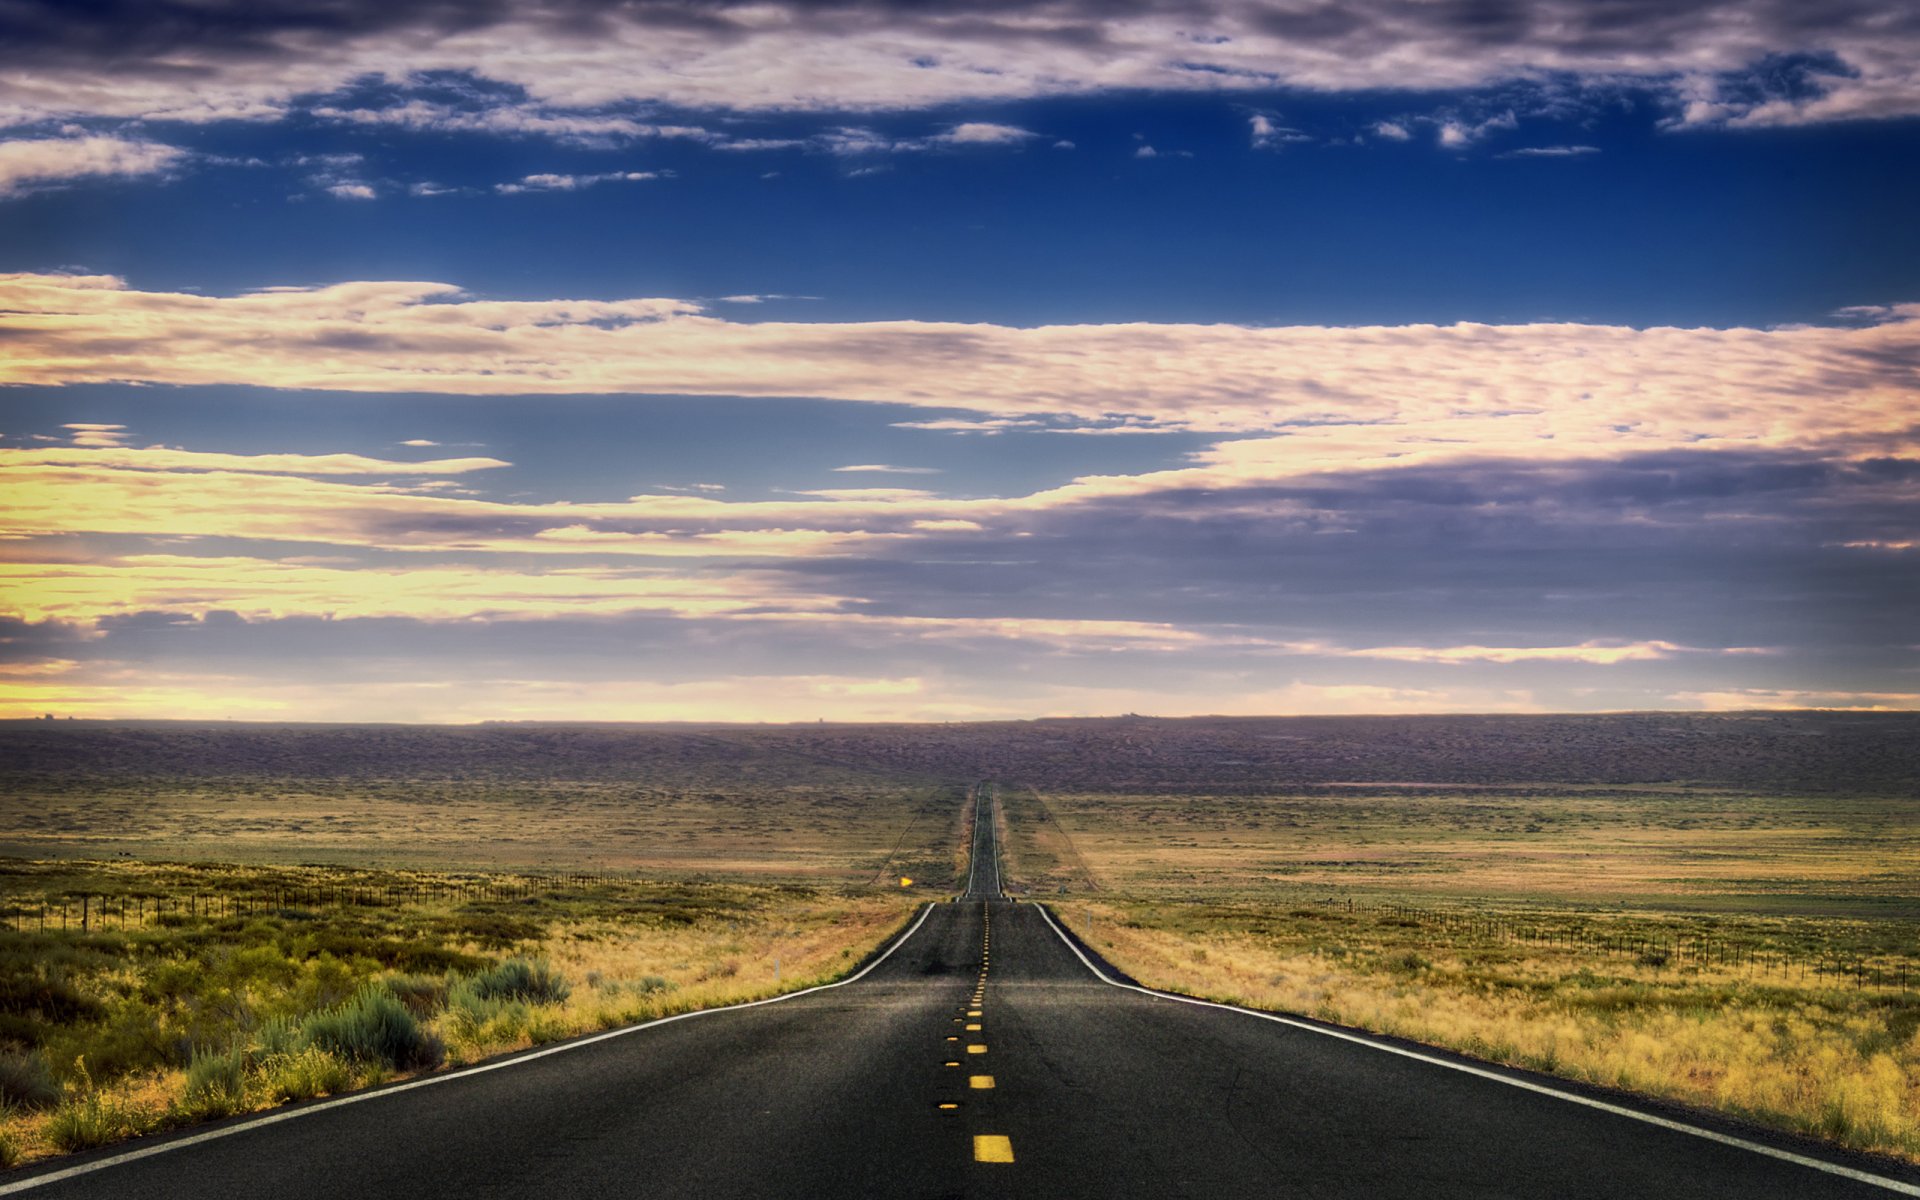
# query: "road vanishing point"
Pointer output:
{"type": "Point", "coordinates": [983, 1054]}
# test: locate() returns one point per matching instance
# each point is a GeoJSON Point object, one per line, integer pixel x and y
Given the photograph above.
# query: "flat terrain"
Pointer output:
{"type": "Point", "coordinates": [981, 1058]}
{"type": "Point", "coordinates": [1717, 909]}
{"type": "Point", "coordinates": [572, 798]}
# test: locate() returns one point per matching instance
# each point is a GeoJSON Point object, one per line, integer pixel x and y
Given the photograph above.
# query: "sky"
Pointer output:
{"type": "Point", "coordinates": [862, 360]}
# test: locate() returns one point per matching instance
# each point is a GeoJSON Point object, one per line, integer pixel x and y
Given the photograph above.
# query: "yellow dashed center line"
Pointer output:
{"type": "Point", "coordinates": [992, 1147]}
{"type": "Point", "coordinates": [980, 1082]}
{"type": "Point", "coordinates": [976, 1048]}
{"type": "Point", "coordinates": [973, 1028]}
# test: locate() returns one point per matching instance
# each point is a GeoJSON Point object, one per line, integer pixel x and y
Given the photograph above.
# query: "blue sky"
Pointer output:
{"type": "Point", "coordinates": [876, 362]}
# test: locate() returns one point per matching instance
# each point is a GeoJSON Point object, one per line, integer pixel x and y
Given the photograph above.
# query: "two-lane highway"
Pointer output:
{"type": "Point", "coordinates": [981, 1057]}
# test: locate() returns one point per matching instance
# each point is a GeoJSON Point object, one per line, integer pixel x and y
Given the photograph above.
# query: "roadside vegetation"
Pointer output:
{"type": "Point", "coordinates": [1758, 954]}
{"type": "Point", "coordinates": [1770, 1035]}
{"type": "Point", "coordinates": [200, 991]}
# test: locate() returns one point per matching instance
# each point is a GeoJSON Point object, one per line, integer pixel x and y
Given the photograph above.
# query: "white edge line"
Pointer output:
{"type": "Point", "coordinates": [973, 844]}
{"type": "Point", "coordinates": [23, 1185]}
{"type": "Point", "coordinates": [1892, 1185]}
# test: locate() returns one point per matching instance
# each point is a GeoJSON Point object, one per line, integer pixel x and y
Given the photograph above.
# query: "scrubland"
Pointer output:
{"type": "Point", "coordinates": [1719, 909]}
{"type": "Point", "coordinates": [1751, 953]}
{"type": "Point", "coordinates": [199, 991]}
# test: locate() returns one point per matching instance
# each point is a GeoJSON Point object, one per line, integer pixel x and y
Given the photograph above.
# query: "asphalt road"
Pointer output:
{"type": "Point", "coordinates": [981, 1037]}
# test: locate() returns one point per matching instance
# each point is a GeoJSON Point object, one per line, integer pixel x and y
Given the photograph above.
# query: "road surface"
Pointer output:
{"type": "Point", "coordinates": [982, 1057]}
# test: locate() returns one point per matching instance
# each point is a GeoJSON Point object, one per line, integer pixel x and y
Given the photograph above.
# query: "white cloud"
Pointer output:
{"type": "Point", "coordinates": [1146, 152]}
{"type": "Point", "coordinates": [1379, 395]}
{"type": "Point", "coordinates": [1456, 134]}
{"type": "Point", "coordinates": [513, 119]}
{"type": "Point", "coordinates": [1267, 133]}
{"type": "Point", "coordinates": [985, 133]}
{"type": "Point", "coordinates": [1393, 131]}
{"type": "Point", "coordinates": [35, 163]}
{"type": "Point", "coordinates": [572, 183]}
{"type": "Point", "coordinates": [350, 191]}
{"type": "Point", "coordinates": [884, 469]}
{"type": "Point", "coordinates": [92, 434]}
{"type": "Point", "coordinates": [1718, 60]}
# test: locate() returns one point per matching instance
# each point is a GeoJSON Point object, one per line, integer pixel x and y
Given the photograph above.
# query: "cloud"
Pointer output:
{"type": "Point", "coordinates": [1268, 134]}
{"type": "Point", "coordinates": [571, 183]}
{"type": "Point", "coordinates": [858, 140]}
{"type": "Point", "coordinates": [573, 68]}
{"type": "Point", "coordinates": [1318, 398]}
{"type": "Point", "coordinates": [1550, 151]}
{"type": "Point", "coordinates": [34, 164]}
{"type": "Point", "coordinates": [92, 435]}
{"type": "Point", "coordinates": [1145, 152]}
{"type": "Point", "coordinates": [1750, 699]}
{"type": "Point", "coordinates": [350, 191]}
{"type": "Point", "coordinates": [269, 588]}
{"type": "Point", "coordinates": [985, 133]}
{"type": "Point", "coordinates": [1457, 134]}
{"type": "Point", "coordinates": [1393, 131]}
{"type": "Point", "coordinates": [512, 118]}
{"type": "Point", "coordinates": [101, 446]}
{"type": "Point", "coordinates": [884, 469]}
{"type": "Point", "coordinates": [1585, 652]}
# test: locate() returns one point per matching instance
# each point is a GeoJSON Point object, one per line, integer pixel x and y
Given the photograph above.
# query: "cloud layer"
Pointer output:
{"type": "Point", "coordinates": [32, 163]}
{"type": "Point", "coordinates": [548, 64]}
{"type": "Point", "coordinates": [1388, 518]}
{"type": "Point", "coordinates": [1328, 398]}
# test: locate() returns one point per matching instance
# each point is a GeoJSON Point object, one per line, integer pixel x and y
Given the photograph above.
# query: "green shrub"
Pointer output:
{"type": "Point", "coordinates": [276, 1035]}
{"type": "Point", "coordinates": [373, 1028]}
{"type": "Point", "coordinates": [547, 1027]}
{"type": "Point", "coordinates": [217, 1083]}
{"type": "Point", "coordinates": [532, 981]}
{"type": "Point", "coordinates": [25, 1081]}
{"type": "Point", "coordinates": [302, 1075]}
{"type": "Point", "coordinates": [10, 1147]}
{"type": "Point", "coordinates": [131, 1039]}
{"type": "Point", "coordinates": [423, 995]}
{"type": "Point", "coordinates": [93, 1119]}
{"type": "Point", "coordinates": [479, 1019]}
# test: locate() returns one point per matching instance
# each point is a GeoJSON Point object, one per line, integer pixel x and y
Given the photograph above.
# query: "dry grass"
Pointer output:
{"type": "Point", "coordinates": [117, 1017]}
{"type": "Point", "coordinates": [1593, 845]}
{"type": "Point", "coordinates": [1802, 1052]}
{"type": "Point", "coordinates": [1285, 900]}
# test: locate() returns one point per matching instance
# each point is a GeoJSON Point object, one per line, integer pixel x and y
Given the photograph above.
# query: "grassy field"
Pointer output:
{"type": "Point", "coordinates": [663, 803]}
{"type": "Point", "coordinates": [198, 990]}
{"type": "Point", "coordinates": [1752, 953]}
{"type": "Point", "coordinates": [1721, 909]}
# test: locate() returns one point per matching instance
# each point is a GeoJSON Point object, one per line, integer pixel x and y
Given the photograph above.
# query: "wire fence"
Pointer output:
{"type": "Point", "coordinates": [89, 912]}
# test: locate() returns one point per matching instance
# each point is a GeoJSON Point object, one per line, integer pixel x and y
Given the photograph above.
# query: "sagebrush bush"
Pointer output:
{"type": "Point", "coordinates": [423, 995]}
{"type": "Point", "coordinates": [217, 1083]}
{"type": "Point", "coordinates": [10, 1148]}
{"type": "Point", "coordinates": [302, 1075]}
{"type": "Point", "coordinates": [373, 1028]}
{"type": "Point", "coordinates": [25, 1081]}
{"type": "Point", "coordinates": [533, 981]}
{"type": "Point", "coordinates": [276, 1035]}
{"type": "Point", "coordinates": [479, 1019]}
{"type": "Point", "coordinates": [94, 1119]}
